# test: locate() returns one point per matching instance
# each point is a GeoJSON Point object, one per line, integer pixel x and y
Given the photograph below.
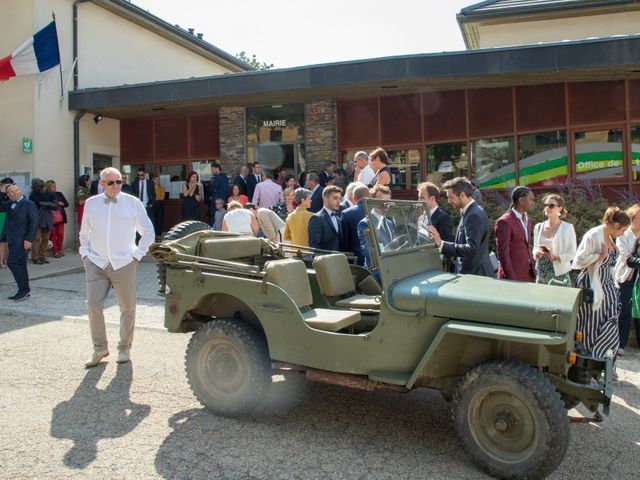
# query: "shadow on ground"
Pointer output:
{"type": "Point", "coordinates": [93, 414]}
{"type": "Point", "coordinates": [314, 431]}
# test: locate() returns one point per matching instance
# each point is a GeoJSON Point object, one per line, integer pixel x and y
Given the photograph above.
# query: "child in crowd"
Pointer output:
{"type": "Point", "coordinates": [219, 214]}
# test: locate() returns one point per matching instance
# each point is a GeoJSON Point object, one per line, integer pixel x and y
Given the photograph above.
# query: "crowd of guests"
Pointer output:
{"type": "Point", "coordinates": [327, 213]}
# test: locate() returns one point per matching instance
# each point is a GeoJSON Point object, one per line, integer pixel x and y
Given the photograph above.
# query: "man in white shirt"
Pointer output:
{"type": "Point", "coordinates": [363, 172]}
{"type": "Point", "coordinates": [110, 257]}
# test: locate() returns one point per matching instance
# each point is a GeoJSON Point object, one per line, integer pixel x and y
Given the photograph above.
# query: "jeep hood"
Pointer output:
{"type": "Point", "coordinates": [487, 300]}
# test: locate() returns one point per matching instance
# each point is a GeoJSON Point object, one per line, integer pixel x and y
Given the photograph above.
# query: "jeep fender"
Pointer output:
{"type": "Point", "coordinates": [462, 345]}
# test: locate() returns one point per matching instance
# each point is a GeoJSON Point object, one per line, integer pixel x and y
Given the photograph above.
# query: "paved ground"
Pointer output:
{"type": "Point", "coordinates": [58, 289]}
{"type": "Point", "coordinates": [139, 420]}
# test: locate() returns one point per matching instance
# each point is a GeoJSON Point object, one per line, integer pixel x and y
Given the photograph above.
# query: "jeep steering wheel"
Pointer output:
{"type": "Point", "coordinates": [397, 243]}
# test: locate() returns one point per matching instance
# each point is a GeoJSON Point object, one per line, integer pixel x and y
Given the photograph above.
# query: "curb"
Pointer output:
{"type": "Point", "coordinates": [66, 318]}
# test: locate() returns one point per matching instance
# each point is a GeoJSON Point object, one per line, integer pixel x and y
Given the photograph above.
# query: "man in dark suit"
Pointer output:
{"type": "Point", "coordinates": [218, 188]}
{"type": "Point", "coordinates": [126, 186]}
{"type": "Point", "coordinates": [253, 179]}
{"type": "Point", "coordinates": [313, 184]}
{"type": "Point", "coordinates": [20, 229]}
{"type": "Point", "coordinates": [144, 189]}
{"type": "Point", "coordinates": [429, 194]}
{"type": "Point", "coordinates": [350, 219]}
{"type": "Point", "coordinates": [385, 229]}
{"type": "Point", "coordinates": [325, 228]}
{"type": "Point", "coordinates": [513, 238]}
{"type": "Point", "coordinates": [471, 244]}
{"type": "Point", "coordinates": [95, 187]}
{"type": "Point", "coordinates": [327, 173]}
{"type": "Point", "coordinates": [241, 180]}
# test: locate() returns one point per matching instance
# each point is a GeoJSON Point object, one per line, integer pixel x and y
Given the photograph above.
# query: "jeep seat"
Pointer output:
{"type": "Point", "coordinates": [335, 280]}
{"type": "Point", "coordinates": [230, 248]}
{"type": "Point", "coordinates": [291, 276]}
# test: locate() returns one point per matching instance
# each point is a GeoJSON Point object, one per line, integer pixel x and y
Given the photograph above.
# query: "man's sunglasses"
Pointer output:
{"type": "Point", "coordinates": [111, 182]}
{"type": "Point", "coordinates": [550, 205]}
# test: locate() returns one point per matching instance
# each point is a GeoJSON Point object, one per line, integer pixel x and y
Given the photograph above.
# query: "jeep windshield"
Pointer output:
{"type": "Point", "coordinates": [397, 225]}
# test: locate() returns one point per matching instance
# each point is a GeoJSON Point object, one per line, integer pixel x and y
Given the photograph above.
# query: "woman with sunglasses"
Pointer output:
{"type": "Point", "coordinates": [554, 243]}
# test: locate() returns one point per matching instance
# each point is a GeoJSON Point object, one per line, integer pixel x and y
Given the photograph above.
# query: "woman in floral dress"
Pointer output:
{"type": "Point", "coordinates": [554, 244]}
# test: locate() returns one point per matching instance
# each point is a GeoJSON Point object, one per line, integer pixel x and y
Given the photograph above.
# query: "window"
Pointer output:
{"type": "Point", "coordinates": [543, 158]}
{"type": "Point", "coordinates": [493, 163]}
{"type": "Point", "coordinates": [171, 178]}
{"type": "Point", "coordinates": [405, 168]}
{"type": "Point", "coordinates": [599, 154]}
{"type": "Point", "coordinates": [446, 161]}
{"type": "Point", "coordinates": [635, 151]}
{"type": "Point", "coordinates": [132, 170]}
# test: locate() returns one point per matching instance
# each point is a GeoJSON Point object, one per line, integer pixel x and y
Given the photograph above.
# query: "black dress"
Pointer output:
{"type": "Point", "coordinates": [374, 180]}
{"type": "Point", "coordinates": [190, 206]}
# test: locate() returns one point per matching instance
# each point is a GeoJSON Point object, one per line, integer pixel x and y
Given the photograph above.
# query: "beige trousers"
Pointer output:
{"type": "Point", "coordinates": [99, 282]}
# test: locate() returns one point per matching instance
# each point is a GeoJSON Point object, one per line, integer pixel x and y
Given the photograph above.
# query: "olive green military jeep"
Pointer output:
{"type": "Point", "coordinates": [505, 353]}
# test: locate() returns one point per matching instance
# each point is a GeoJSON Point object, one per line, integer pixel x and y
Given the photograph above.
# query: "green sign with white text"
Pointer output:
{"type": "Point", "coordinates": [27, 145]}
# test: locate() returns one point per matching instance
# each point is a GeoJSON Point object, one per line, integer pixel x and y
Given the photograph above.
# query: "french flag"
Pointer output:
{"type": "Point", "coordinates": [38, 54]}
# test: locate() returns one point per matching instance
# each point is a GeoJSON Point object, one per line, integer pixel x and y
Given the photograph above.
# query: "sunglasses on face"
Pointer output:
{"type": "Point", "coordinates": [141, 175]}
{"type": "Point", "coordinates": [111, 182]}
{"type": "Point", "coordinates": [550, 205]}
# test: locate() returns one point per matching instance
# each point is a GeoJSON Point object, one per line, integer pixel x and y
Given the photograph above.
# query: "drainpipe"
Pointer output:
{"type": "Point", "coordinates": [77, 118]}
{"type": "Point", "coordinates": [75, 41]}
{"type": "Point", "coordinates": [76, 165]}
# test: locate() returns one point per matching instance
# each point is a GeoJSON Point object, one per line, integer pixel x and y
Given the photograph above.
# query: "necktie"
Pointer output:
{"type": "Point", "coordinates": [141, 190]}
{"type": "Point", "coordinates": [257, 178]}
{"type": "Point", "coordinates": [334, 222]}
{"type": "Point", "coordinates": [108, 200]}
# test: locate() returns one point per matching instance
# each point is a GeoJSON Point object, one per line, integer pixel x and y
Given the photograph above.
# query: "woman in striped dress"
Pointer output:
{"type": "Point", "coordinates": [596, 257]}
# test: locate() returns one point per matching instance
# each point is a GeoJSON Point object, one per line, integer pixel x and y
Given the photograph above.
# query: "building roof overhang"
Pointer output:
{"type": "Point", "coordinates": [606, 59]}
{"type": "Point", "coordinates": [516, 11]}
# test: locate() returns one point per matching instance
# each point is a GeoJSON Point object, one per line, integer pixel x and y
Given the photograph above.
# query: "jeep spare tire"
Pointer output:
{"type": "Point", "coordinates": [178, 231]}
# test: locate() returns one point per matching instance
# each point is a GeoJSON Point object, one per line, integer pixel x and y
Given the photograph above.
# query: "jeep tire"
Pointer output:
{"type": "Point", "coordinates": [178, 231]}
{"type": "Point", "coordinates": [511, 420]}
{"type": "Point", "coordinates": [228, 367]}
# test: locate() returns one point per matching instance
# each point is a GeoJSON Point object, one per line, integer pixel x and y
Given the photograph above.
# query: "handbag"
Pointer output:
{"type": "Point", "coordinates": [587, 295]}
{"type": "Point", "coordinates": [57, 217]}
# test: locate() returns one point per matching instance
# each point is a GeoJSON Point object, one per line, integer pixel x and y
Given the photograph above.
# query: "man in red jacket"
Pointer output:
{"type": "Point", "coordinates": [513, 238]}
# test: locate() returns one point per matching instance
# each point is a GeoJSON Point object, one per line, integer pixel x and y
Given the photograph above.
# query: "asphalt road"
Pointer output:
{"type": "Point", "coordinates": [139, 420]}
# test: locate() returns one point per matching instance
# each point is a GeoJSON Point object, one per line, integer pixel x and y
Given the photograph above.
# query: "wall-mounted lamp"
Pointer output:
{"type": "Point", "coordinates": [97, 119]}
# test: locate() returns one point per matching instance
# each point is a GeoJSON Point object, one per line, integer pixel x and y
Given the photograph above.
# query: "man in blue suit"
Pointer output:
{"type": "Point", "coordinates": [350, 219]}
{"type": "Point", "coordinates": [383, 226]}
{"type": "Point", "coordinates": [313, 184]}
{"type": "Point", "coordinates": [219, 188]}
{"type": "Point", "coordinates": [471, 244]}
{"type": "Point", "coordinates": [20, 228]}
{"type": "Point", "coordinates": [325, 227]}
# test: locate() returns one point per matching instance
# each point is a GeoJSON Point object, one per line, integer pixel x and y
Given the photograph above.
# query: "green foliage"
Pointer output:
{"type": "Point", "coordinates": [584, 203]}
{"type": "Point", "coordinates": [253, 61]}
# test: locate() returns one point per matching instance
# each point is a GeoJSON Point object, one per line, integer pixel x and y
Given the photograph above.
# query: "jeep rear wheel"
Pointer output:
{"type": "Point", "coordinates": [228, 367]}
{"type": "Point", "coordinates": [511, 420]}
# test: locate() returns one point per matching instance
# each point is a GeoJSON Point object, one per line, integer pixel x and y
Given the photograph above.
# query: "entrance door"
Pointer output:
{"type": "Point", "coordinates": [280, 155]}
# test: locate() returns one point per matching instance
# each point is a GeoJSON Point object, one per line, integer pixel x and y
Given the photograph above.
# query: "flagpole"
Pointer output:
{"type": "Point", "coordinates": [53, 15]}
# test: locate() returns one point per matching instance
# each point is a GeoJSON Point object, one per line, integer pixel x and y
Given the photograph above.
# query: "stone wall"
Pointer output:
{"type": "Point", "coordinates": [320, 133]}
{"type": "Point", "coordinates": [232, 138]}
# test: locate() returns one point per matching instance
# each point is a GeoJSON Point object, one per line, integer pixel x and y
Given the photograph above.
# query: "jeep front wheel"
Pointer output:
{"type": "Point", "coordinates": [228, 367]}
{"type": "Point", "coordinates": [511, 420]}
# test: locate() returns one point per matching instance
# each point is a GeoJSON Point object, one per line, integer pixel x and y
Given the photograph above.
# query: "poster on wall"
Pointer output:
{"type": "Point", "coordinates": [22, 179]}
